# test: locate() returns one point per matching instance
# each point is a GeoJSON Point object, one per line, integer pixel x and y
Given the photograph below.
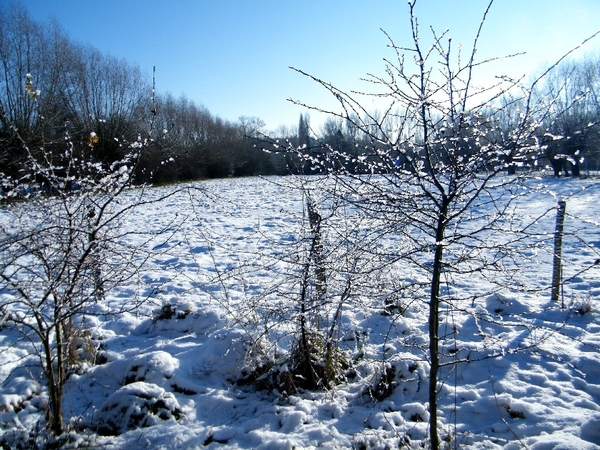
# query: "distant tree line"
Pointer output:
{"type": "Point", "coordinates": [77, 91]}
{"type": "Point", "coordinates": [103, 104]}
{"type": "Point", "coordinates": [568, 134]}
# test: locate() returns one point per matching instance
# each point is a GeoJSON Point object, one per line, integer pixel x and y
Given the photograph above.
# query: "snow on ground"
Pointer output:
{"type": "Point", "coordinates": [527, 372]}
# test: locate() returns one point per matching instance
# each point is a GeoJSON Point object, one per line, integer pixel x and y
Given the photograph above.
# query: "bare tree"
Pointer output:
{"type": "Point", "coordinates": [570, 92]}
{"type": "Point", "coordinates": [434, 155]}
{"type": "Point", "coordinates": [63, 247]}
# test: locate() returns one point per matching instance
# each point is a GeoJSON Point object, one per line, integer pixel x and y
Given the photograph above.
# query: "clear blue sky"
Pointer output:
{"type": "Point", "coordinates": [232, 56]}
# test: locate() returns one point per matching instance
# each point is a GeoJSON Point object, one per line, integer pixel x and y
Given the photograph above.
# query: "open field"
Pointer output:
{"type": "Point", "coordinates": [219, 292]}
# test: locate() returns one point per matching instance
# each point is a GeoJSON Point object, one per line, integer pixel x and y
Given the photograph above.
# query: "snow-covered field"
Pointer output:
{"type": "Point", "coordinates": [527, 372]}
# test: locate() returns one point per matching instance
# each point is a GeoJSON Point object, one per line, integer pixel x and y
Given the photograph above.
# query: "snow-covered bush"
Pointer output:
{"type": "Point", "coordinates": [313, 291]}
{"type": "Point", "coordinates": [170, 311]}
{"type": "Point", "coordinates": [137, 405]}
{"type": "Point", "coordinates": [584, 305]}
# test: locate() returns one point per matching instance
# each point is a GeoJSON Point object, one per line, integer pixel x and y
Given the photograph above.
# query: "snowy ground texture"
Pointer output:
{"type": "Point", "coordinates": [220, 293]}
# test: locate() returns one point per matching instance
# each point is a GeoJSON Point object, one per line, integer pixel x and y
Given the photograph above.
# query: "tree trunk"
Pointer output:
{"type": "Point", "coordinates": [557, 165]}
{"type": "Point", "coordinates": [55, 385]}
{"type": "Point", "coordinates": [511, 168]}
{"type": "Point", "coordinates": [434, 319]}
{"type": "Point", "coordinates": [575, 168]}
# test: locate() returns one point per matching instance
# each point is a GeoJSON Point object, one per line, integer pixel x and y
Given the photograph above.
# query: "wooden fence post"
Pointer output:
{"type": "Point", "coordinates": [557, 261]}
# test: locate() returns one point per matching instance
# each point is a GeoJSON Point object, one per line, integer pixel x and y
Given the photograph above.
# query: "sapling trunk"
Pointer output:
{"type": "Point", "coordinates": [434, 323]}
